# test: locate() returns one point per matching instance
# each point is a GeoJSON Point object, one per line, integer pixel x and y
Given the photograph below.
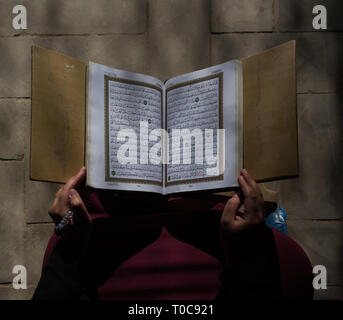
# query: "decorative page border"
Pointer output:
{"type": "Point", "coordinates": [205, 179]}
{"type": "Point", "coordinates": [106, 125]}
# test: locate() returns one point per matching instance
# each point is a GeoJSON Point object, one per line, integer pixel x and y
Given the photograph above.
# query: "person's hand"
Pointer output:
{"type": "Point", "coordinates": [67, 198]}
{"type": "Point", "coordinates": [233, 220]}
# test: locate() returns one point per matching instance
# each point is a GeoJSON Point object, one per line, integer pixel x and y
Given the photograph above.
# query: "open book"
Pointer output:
{"type": "Point", "coordinates": [193, 132]}
{"type": "Point", "coordinates": [146, 135]}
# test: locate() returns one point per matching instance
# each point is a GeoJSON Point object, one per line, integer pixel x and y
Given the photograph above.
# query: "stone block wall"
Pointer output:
{"type": "Point", "coordinates": [164, 38]}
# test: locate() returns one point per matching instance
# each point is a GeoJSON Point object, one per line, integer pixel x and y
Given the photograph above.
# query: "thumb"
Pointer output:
{"type": "Point", "coordinates": [231, 208]}
{"type": "Point", "coordinates": [78, 206]}
{"type": "Point", "coordinates": [77, 179]}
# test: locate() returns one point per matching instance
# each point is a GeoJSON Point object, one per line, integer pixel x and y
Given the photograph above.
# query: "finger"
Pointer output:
{"type": "Point", "coordinates": [78, 206]}
{"type": "Point", "coordinates": [59, 191]}
{"type": "Point", "coordinates": [245, 187]}
{"type": "Point", "coordinates": [248, 179]}
{"type": "Point", "coordinates": [77, 179]}
{"type": "Point", "coordinates": [231, 208]}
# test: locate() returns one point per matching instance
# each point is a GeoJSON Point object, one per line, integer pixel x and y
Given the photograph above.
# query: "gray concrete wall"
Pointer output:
{"type": "Point", "coordinates": [165, 38]}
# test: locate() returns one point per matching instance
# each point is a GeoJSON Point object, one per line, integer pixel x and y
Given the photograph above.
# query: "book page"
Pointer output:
{"type": "Point", "coordinates": [202, 118]}
{"type": "Point", "coordinates": [123, 109]}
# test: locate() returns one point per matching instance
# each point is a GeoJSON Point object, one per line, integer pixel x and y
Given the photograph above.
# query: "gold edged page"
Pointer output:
{"type": "Point", "coordinates": [270, 146]}
{"type": "Point", "coordinates": [57, 116]}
